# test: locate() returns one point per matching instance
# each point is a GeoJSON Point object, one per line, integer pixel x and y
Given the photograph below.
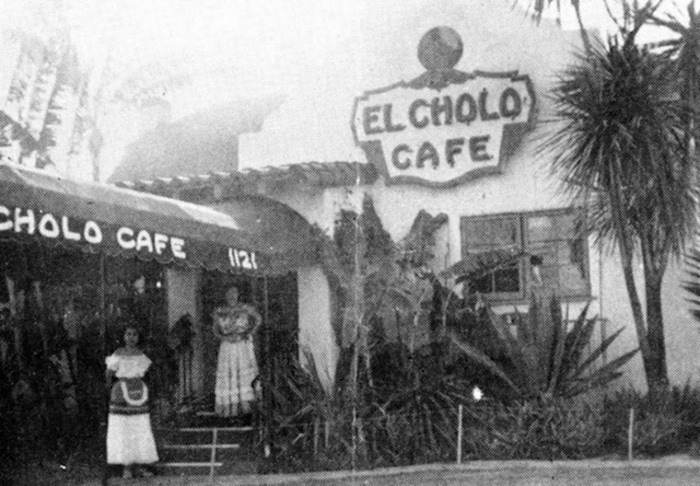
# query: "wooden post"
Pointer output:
{"type": "Point", "coordinates": [317, 427]}
{"type": "Point", "coordinates": [630, 436]}
{"type": "Point", "coordinates": [267, 382]}
{"type": "Point", "coordinates": [214, 444]}
{"type": "Point", "coordinates": [15, 321]}
{"type": "Point", "coordinates": [42, 318]}
{"type": "Point", "coordinates": [460, 413]}
{"type": "Point", "coordinates": [354, 438]}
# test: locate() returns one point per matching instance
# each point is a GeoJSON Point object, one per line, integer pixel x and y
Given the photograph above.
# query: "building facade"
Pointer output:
{"type": "Point", "coordinates": [448, 112]}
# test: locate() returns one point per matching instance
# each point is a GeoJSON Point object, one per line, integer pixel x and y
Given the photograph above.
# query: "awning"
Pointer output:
{"type": "Point", "coordinates": [36, 206]}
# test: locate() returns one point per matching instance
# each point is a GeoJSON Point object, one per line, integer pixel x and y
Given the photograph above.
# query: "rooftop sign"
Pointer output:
{"type": "Point", "coordinates": [445, 126]}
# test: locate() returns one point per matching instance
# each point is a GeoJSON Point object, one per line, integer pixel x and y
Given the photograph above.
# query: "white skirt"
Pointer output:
{"type": "Point", "coordinates": [235, 373]}
{"type": "Point", "coordinates": [130, 440]}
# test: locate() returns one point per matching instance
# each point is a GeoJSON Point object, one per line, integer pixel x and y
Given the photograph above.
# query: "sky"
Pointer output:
{"type": "Point", "coordinates": [235, 49]}
{"type": "Point", "coordinates": [261, 43]}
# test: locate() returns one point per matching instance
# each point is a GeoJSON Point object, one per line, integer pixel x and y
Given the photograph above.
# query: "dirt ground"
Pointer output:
{"type": "Point", "coordinates": [676, 471]}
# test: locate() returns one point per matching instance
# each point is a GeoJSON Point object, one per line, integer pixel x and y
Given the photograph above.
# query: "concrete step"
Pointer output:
{"type": "Point", "coordinates": [204, 435]}
{"type": "Point", "coordinates": [190, 451]}
{"type": "Point", "coordinates": [201, 446]}
{"type": "Point", "coordinates": [218, 429]}
{"type": "Point", "coordinates": [192, 464]}
{"type": "Point", "coordinates": [193, 468]}
{"type": "Point", "coordinates": [203, 452]}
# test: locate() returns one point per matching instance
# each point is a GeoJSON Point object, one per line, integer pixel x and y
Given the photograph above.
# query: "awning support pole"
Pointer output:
{"type": "Point", "coordinates": [105, 401]}
{"type": "Point", "coordinates": [267, 394]}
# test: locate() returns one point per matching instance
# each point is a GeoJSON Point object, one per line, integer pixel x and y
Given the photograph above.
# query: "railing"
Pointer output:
{"type": "Point", "coordinates": [214, 446]}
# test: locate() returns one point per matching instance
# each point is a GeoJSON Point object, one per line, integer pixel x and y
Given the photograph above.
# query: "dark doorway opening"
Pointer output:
{"type": "Point", "coordinates": [276, 343]}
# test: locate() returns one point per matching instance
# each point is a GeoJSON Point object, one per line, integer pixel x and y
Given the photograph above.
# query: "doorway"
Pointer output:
{"type": "Point", "coordinates": [276, 344]}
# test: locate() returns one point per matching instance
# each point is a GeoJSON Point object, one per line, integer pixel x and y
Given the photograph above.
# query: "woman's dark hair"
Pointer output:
{"type": "Point", "coordinates": [134, 327]}
{"type": "Point", "coordinates": [244, 289]}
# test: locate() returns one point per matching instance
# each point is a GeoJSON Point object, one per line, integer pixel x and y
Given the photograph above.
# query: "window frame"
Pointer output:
{"type": "Point", "coordinates": [465, 220]}
{"type": "Point", "coordinates": [524, 265]}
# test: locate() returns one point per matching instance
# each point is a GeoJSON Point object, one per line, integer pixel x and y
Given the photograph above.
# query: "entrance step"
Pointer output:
{"type": "Point", "coordinates": [201, 446]}
{"type": "Point", "coordinates": [208, 451]}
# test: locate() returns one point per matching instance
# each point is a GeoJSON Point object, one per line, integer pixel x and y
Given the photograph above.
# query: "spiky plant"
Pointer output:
{"type": "Point", "coordinates": [546, 356]}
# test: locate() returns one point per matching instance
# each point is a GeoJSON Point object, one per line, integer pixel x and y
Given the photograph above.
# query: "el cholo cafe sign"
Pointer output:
{"type": "Point", "coordinates": [446, 125]}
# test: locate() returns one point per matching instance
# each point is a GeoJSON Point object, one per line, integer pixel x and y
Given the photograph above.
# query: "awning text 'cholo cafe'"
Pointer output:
{"type": "Point", "coordinates": [142, 241]}
{"type": "Point", "coordinates": [36, 207]}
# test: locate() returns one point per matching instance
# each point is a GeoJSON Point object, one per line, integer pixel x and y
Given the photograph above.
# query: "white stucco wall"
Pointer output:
{"type": "Point", "coordinates": [681, 331]}
{"type": "Point", "coordinates": [314, 121]}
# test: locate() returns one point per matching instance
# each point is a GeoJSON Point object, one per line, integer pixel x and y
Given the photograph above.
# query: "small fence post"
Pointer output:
{"type": "Point", "coordinates": [630, 436]}
{"type": "Point", "coordinates": [317, 426]}
{"type": "Point", "coordinates": [214, 444]}
{"type": "Point", "coordinates": [460, 410]}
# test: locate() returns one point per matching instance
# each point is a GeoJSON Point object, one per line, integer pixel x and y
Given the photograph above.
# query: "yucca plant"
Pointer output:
{"type": "Point", "coordinates": [546, 358]}
{"type": "Point", "coordinates": [625, 148]}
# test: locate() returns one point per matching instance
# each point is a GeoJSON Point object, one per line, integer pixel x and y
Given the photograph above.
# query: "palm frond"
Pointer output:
{"type": "Point", "coordinates": [480, 357]}
{"type": "Point", "coordinates": [595, 354]}
{"type": "Point", "coordinates": [602, 376]}
{"type": "Point", "coordinates": [578, 339]}
{"type": "Point", "coordinates": [622, 136]}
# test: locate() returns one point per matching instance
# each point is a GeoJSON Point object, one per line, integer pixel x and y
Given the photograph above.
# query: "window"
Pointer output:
{"type": "Point", "coordinates": [553, 239]}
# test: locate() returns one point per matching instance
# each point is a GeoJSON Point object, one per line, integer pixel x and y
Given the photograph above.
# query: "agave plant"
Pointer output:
{"type": "Point", "coordinates": [546, 358]}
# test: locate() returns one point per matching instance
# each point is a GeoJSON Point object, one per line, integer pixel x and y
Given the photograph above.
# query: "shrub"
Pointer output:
{"type": "Point", "coordinates": [413, 435]}
{"type": "Point", "coordinates": [670, 424]}
{"type": "Point", "coordinates": [534, 429]}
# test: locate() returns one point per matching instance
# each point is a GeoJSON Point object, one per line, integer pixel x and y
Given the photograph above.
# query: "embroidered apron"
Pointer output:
{"type": "Point", "coordinates": [129, 396]}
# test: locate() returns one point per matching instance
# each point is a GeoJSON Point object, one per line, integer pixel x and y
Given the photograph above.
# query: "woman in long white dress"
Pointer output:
{"type": "Point", "coordinates": [235, 324]}
{"type": "Point", "coordinates": [130, 440]}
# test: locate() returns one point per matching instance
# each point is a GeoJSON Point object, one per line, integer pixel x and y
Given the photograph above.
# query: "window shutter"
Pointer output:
{"type": "Point", "coordinates": [483, 233]}
{"type": "Point", "coordinates": [557, 238]}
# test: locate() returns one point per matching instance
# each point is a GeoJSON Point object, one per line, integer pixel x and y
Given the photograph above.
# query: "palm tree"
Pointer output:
{"type": "Point", "coordinates": [632, 12]}
{"type": "Point", "coordinates": [623, 147]}
{"type": "Point", "coordinates": [685, 51]}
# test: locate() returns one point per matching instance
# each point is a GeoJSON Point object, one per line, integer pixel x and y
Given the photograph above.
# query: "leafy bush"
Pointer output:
{"type": "Point", "coordinates": [657, 433]}
{"type": "Point", "coordinates": [534, 429]}
{"type": "Point", "coordinates": [412, 420]}
{"type": "Point", "coordinates": [667, 425]}
{"type": "Point", "coordinates": [418, 433]}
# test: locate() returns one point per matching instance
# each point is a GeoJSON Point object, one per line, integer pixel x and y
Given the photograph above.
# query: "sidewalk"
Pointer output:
{"type": "Point", "coordinates": [674, 470]}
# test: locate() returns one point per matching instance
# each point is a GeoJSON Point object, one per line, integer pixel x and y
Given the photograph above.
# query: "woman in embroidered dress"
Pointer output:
{"type": "Point", "coordinates": [235, 324]}
{"type": "Point", "coordinates": [130, 439]}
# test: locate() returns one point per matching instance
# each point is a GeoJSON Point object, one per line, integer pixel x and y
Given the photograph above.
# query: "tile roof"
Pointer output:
{"type": "Point", "coordinates": [250, 181]}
